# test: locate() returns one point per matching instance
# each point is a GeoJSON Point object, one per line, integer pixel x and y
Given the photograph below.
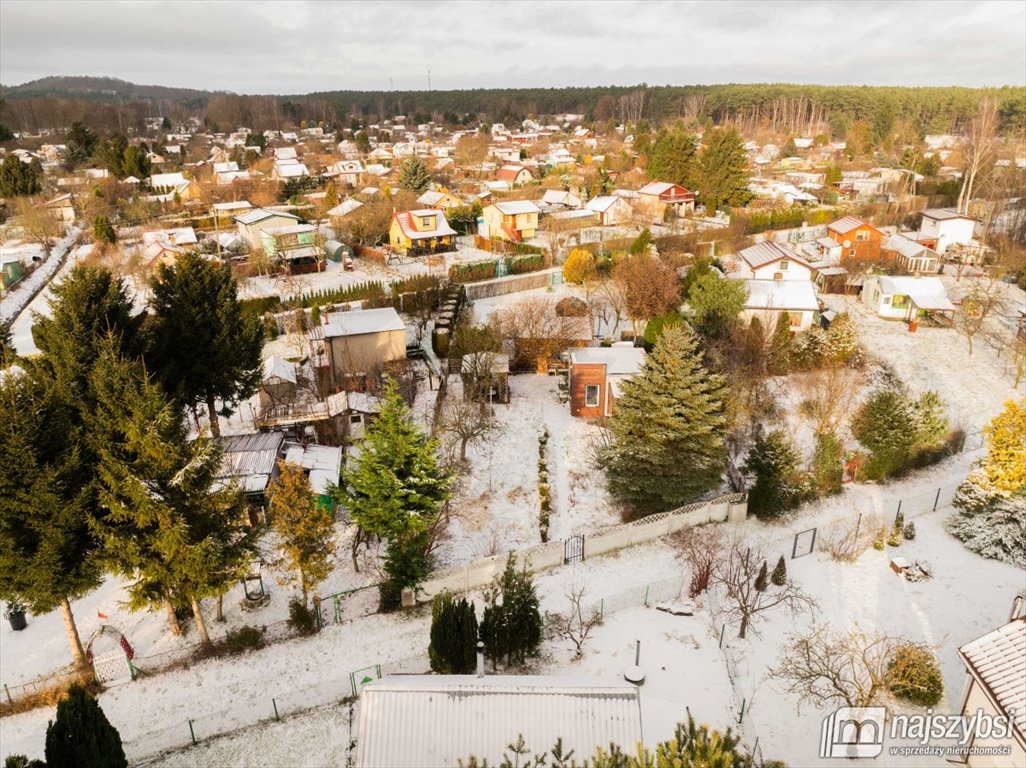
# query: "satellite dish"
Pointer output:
{"type": "Point", "coordinates": [846, 243]}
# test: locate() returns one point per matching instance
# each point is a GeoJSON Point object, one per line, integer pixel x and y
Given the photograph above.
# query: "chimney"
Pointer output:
{"type": "Point", "coordinates": [1017, 605]}
{"type": "Point", "coordinates": [480, 659]}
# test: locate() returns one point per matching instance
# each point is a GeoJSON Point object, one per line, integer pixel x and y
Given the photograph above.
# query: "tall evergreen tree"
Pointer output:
{"type": "Point", "coordinates": [18, 178]}
{"type": "Point", "coordinates": [413, 175]}
{"type": "Point", "coordinates": [511, 627]}
{"type": "Point", "coordinates": [306, 531]}
{"type": "Point", "coordinates": [780, 356]}
{"type": "Point", "coordinates": [169, 524]}
{"type": "Point", "coordinates": [453, 648]}
{"type": "Point", "coordinates": [668, 428]}
{"type": "Point", "coordinates": [673, 156]}
{"type": "Point", "coordinates": [7, 351]}
{"type": "Point", "coordinates": [774, 461]}
{"type": "Point", "coordinates": [395, 488]}
{"type": "Point", "coordinates": [722, 176]}
{"type": "Point", "coordinates": [47, 553]}
{"type": "Point", "coordinates": [202, 347]}
{"type": "Point", "coordinates": [81, 736]}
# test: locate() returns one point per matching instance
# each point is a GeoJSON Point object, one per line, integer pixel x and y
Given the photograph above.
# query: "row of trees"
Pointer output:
{"type": "Point", "coordinates": [717, 172]}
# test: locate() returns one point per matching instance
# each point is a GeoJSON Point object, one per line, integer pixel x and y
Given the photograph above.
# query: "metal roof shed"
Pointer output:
{"type": "Point", "coordinates": [423, 721]}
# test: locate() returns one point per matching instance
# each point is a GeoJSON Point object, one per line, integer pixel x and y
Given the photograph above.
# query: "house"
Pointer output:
{"type": "Point", "coordinates": [558, 198]}
{"type": "Point", "coordinates": [596, 374]}
{"type": "Point", "coordinates": [252, 223]}
{"type": "Point", "coordinates": [611, 209]}
{"type": "Point", "coordinates": [294, 246]}
{"type": "Point", "coordinates": [223, 211]}
{"type": "Point", "coordinates": [768, 300]}
{"type": "Point", "coordinates": [773, 261]}
{"type": "Point", "coordinates": [360, 342]}
{"type": "Point", "coordinates": [62, 208]}
{"type": "Point", "coordinates": [166, 181]}
{"type": "Point", "coordinates": [514, 175]}
{"type": "Point", "coordinates": [380, 156]}
{"type": "Point", "coordinates": [859, 240]}
{"type": "Point", "coordinates": [909, 255]}
{"type": "Point", "coordinates": [179, 236]}
{"type": "Point", "coordinates": [285, 153]}
{"type": "Point", "coordinates": [285, 170]}
{"type": "Point", "coordinates": [278, 383]}
{"type": "Point", "coordinates": [322, 464]}
{"type": "Point", "coordinates": [514, 220]}
{"type": "Point", "coordinates": [425, 230]}
{"type": "Point", "coordinates": [659, 199]}
{"type": "Point", "coordinates": [435, 198]}
{"type": "Point", "coordinates": [906, 298]}
{"type": "Point", "coordinates": [250, 462]}
{"type": "Point", "coordinates": [943, 227]}
{"type": "Point", "coordinates": [362, 408]}
{"type": "Point", "coordinates": [444, 719]}
{"type": "Point", "coordinates": [349, 172]}
{"type": "Point", "coordinates": [995, 667]}
{"type": "Point", "coordinates": [343, 209]}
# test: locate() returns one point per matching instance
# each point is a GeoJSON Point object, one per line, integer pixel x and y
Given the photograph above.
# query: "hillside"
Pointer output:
{"type": "Point", "coordinates": [97, 89]}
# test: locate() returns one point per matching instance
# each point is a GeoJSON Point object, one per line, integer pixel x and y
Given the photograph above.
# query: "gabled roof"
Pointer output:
{"type": "Point", "coordinates": [658, 188]}
{"type": "Point", "coordinates": [907, 247]}
{"type": "Point", "coordinates": [998, 661]}
{"type": "Point", "coordinates": [603, 203]}
{"type": "Point", "coordinates": [510, 172]}
{"type": "Point", "coordinates": [561, 197]}
{"type": "Point", "coordinates": [761, 254]}
{"type": "Point", "coordinates": [261, 214]}
{"type": "Point", "coordinates": [345, 207]}
{"type": "Point", "coordinates": [361, 321]}
{"type": "Point", "coordinates": [515, 207]}
{"type": "Point", "coordinates": [796, 295]}
{"type": "Point", "coordinates": [846, 224]}
{"type": "Point", "coordinates": [441, 229]}
{"type": "Point", "coordinates": [942, 214]}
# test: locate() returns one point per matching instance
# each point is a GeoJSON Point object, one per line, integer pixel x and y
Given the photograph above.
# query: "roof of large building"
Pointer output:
{"type": "Point", "coordinates": [357, 322]}
{"type": "Point", "coordinates": [998, 661]}
{"type": "Point", "coordinates": [424, 721]}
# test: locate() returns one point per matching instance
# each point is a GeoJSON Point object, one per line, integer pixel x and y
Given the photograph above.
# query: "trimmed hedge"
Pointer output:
{"type": "Point", "coordinates": [472, 272]}
{"type": "Point", "coordinates": [524, 264]}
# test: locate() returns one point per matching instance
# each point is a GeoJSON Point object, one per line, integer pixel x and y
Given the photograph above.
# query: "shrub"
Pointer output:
{"type": "Point", "coordinates": [914, 675]}
{"type": "Point", "coordinates": [473, 272]}
{"type": "Point", "coordinates": [524, 264]}
{"type": "Point", "coordinates": [992, 526]}
{"type": "Point", "coordinates": [453, 647]}
{"type": "Point", "coordinates": [909, 531]}
{"type": "Point", "coordinates": [654, 327]}
{"type": "Point", "coordinates": [779, 485]}
{"type": "Point", "coordinates": [302, 619]}
{"type": "Point", "coordinates": [511, 627]}
{"type": "Point", "coordinates": [827, 468]}
{"type": "Point", "coordinates": [245, 639]}
{"type": "Point", "coordinates": [880, 541]}
{"type": "Point", "coordinates": [579, 266]}
{"type": "Point", "coordinates": [81, 736]}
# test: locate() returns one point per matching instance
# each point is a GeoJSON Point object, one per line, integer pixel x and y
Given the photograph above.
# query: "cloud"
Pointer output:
{"type": "Point", "coordinates": [304, 46]}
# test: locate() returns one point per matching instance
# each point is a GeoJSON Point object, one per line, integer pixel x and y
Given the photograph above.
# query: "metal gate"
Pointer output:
{"type": "Point", "coordinates": [804, 543]}
{"type": "Point", "coordinates": [573, 549]}
{"type": "Point", "coordinates": [113, 667]}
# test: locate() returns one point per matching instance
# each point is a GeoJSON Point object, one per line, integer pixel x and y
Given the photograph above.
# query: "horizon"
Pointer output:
{"type": "Point", "coordinates": [224, 46]}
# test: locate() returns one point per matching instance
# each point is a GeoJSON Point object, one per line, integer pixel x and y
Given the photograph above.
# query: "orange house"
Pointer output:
{"type": "Point", "coordinates": [595, 376]}
{"type": "Point", "coordinates": [859, 240]}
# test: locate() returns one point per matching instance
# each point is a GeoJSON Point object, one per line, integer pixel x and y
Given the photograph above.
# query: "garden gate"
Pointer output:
{"type": "Point", "coordinates": [573, 549]}
{"type": "Point", "coordinates": [804, 543]}
{"type": "Point", "coordinates": [114, 663]}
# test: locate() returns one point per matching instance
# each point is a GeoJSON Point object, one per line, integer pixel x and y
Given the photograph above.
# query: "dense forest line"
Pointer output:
{"type": "Point", "coordinates": [799, 109]}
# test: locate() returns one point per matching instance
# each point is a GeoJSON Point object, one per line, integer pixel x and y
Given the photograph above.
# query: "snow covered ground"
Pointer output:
{"type": "Point", "coordinates": [15, 299]}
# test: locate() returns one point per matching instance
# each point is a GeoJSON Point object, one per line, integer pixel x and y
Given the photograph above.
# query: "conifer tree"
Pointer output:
{"type": "Point", "coordinates": [453, 648]}
{"type": "Point", "coordinates": [81, 736]}
{"type": "Point", "coordinates": [668, 428]}
{"type": "Point", "coordinates": [779, 575]}
{"type": "Point", "coordinates": [413, 175]}
{"type": "Point", "coordinates": [887, 424]}
{"type": "Point", "coordinates": [511, 627]}
{"type": "Point", "coordinates": [762, 580]}
{"type": "Point", "coordinates": [933, 424]}
{"type": "Point", "coordinates": [7, 351]}
{"type": "Point", "coordinates": [168, 523]}
{"type": "Point", "coordinates": [202, 348]}
{"type": "Point", "coordinates": [780, 346]}
{"type": "Point", "coordinates": [306, 531]}
{"type": "Point", "coordinates": [673, 156]}
{"type": "Point", "coordinates": [395, 489]}
{"type": "Point", "coordinates": [722, 174]}
{"type": "Point", "coordinates": [778, 486]}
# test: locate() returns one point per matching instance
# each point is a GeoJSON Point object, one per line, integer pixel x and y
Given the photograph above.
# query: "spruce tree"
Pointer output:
{"type": "Point", "coordinates": [169, 523]}
{"type": "Point", "coordinates": [202, 348]}
{"type": "Point", "coordinates": [673, 156]}
{"type": "Point", "coordinates": [453, 648]}
{"type": "Point", "coordinates": [511, 627]}
{"type": "Point", "coordinates": [779, 361]}
{"type": "Point", "coordinates": [933, 425]}
{"type": "Point", "coordinates": [762, 580]}
{"type": "Point", "coordinates": [723, 170]}
{"type": "Point", "coordinates": [305, 529]}
{"type": "Point", "coordinates": [7, 351]}
{"type": "Point", "coordinates": [413, 175]}
{"type": "Point", "coordinates": [887, 424]}
{"type": "Point", "coordinates": [668, 428]}
{"type": "Point", "coordinates": [81, 736]}
{"type": "Point", "coordinates": [395, 489]}
{"type": "Point", "coordinates": [778, 486]}
{"type": "Point", "coordinates": [779, 575]}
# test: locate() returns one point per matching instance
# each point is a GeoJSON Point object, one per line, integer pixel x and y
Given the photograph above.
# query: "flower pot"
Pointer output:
{"type": "Point", "coordinates": [17, 620]}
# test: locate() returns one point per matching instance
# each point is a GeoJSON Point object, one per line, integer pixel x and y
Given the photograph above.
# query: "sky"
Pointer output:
{"type": "Point", "coordinates": [265, 46]}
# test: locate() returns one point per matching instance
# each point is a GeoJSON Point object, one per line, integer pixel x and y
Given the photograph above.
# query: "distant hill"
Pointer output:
{"type": "Point", "coordinates": [104, 89]}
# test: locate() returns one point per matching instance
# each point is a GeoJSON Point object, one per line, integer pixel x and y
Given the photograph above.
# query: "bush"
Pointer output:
{"type": "Point", "coordinates": [453, 648]}
{"type": "Point", "coordinates": [81, 736]}
{"type": "Point", "coordinates": [909, 531]}
{"type": "Point", "coordinates": [579, 266]}
{"type": "Point", "coordinates": [473, 272]}
{"type": "Point", "coordinates": [915, 676]}
{"type": "Point", "coordinates": [992, 526]}
{"type": "Point", "coordinates": [245, 639]}
{"type": "Point", "coordinates": [302, 619]}
{"type": "Point", "coordinates": [524, 264]}
{"type": "Point", "coordinates": [779, 484]}
{"type": "Point", "coordinates": [654, 327]}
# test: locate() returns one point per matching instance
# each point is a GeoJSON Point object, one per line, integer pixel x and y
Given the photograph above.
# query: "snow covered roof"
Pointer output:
{"type": "Point", "coordinates": [998, 661]}
{"type": "Point", "coordinates": [845, 225]}
{"type": "Point", "coordinates": [322, 462]}
{"type": "Point", "coordinates": [238, 205]}
{"type": "Point", "coordinates": [250, 459]}
{"type": "Point", "coordinates": [424, 721]}
{"type": "Point", "coordinates": [797, 295]}
{"type": "Point", "coordinates": [364, 403]}
{"type": "Point", "coordinates": [761, 254]}
{"type": "Point", "coordinates": [561, 197]}
{"type": "Point", "coordinates": [942, 214]}
{"type": "Point", "coordinates": [166, 180]}
{"type": "Point", "coordinates": [441, 226]}
{"type": "Point", "coordinates": [602, 203]}
{"type": "Point", "coordinates": [655, 188]}
{"type": "Point", "coordinates": [277, 367]}
{"type": "Point", "coordinates": [515, 207]}
{"type": "Point", "coordinates": [925, 292]}
{"type": "Point", "coordinates": [345, 207]}
{"type": "Point", "coordinates": [260, 214]}
{"type": "Point", "coordinates": [619, 360]}
{"type": "Point", "coordinates": [905, 246]}
{"type": "Point", "coordinates": [362, 321]}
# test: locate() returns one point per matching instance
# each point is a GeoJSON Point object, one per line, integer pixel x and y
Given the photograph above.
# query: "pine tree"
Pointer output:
{"type": "Point", "coordinates": [887, 424]}
{"type": "Point", "coordinates": [395, 489]}
{"type": "Point", "coordinates": [779, 361]}
{"type": "Point", "coordinates": [762, 580]}
{"type": "Point", "coordinates": [202, 347]}
{"type": "Point", "coordinates": [673, 156]}
{"type": "Point", "coordinates": [413, 175]}
{"type": "Point", "coordinates": [668, 428]}
{"type": "Point", "coordinates": [305, 529]}
{"type": "Point", "coordinates": [18, 178]}
{"type": "Point", "coordinates": [168, 524]}
{"type": "Point", "coordinates": [453, 648]}
{"type": "Point", "coordinates": [779, 575]}
{"type": "Point", "coordinates": [723, 170]}
{"type": "Point", "coordinates": [511, 628]}
{"type": "Point", "coordinates": [81, 736]}
{"type": "Point", "coordinates": [103, 231]}
{"type": "Point", "coordinates": [774, 461]}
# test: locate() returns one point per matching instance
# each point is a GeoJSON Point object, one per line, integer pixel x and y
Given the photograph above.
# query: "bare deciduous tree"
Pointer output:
{"type": "Point", "coordinates": [828, 396]}
{"type": "Point", "coordinates": [650, 286]}
{"type": "Point", "coordinates": [38, 224]}
{"type": "Point", "coordinates": [978, 149]}
{"type": "Point", "coordinates": [533, 331]}
{"type": "Point", "coordinates": [703, 550]}
{"type": "Point", "coordinates": [577, 623]}
{"type": "Point", "coordinates": [984, 298]}
{"type": "Point", "coordinates": [466, 421]}
{"type": "Point", "coordinates": [737, 574]}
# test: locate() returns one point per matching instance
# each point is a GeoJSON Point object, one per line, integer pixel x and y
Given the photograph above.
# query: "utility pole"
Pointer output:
{"type": "Point", "coordinates": [429, 80]}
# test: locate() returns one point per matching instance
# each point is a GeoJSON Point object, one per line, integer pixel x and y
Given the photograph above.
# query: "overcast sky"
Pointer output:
{"type": "Point", "coordinates": [256, 46]}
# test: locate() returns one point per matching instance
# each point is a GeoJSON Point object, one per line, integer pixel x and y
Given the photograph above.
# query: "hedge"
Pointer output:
{"type": "Point", "coordinates": [470, 273]}
{"type": "Point", "coordinates": [524, 264]}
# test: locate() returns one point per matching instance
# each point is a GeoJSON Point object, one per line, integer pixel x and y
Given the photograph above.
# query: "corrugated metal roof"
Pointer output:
{"type": "Point", "coordinates": [423, 721]}
{"type": "Point", "coordinates": [514, 207]}
{"type": "Point", "coordinates": [362, 321]}
{"type": "Point", "coordinates": [845, 225]}
{"type": "Point", "coordinates": [760, 254]}
{"type": "Point", "coordinates": [998, 661]}
{"type": "Point", "coordinates": [250, 459]}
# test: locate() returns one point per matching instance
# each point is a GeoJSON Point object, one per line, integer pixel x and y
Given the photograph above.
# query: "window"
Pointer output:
{"type": "Point", "coordinates": [356, 418]}
{"type": "Point", "coordinates": [591, 396]}
{"type": "Point", "coordinates": [783, 265]}
{"type": "Point", "coordinates": [900, 301]}
{"type": "Point", "coordinates": [863, 235]}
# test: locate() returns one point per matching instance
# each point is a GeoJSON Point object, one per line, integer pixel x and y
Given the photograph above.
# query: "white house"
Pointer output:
{"type": "Point", "coordinates": [911, 256]}
{"type": "Point", "coordinates": [611, 209]}
{"type": "Point", "coordinates": [558, 198]}
{"type": "Point", "coordinates": [945, 227]}
{"type": "Point", "coordinates": [773, 261]}
{"type": "Point", "coordinates": [769, 299]}
{"type": "Point", "coordinates": [905, 298]}
{"type": "Point", "coordinates": [253, 222]}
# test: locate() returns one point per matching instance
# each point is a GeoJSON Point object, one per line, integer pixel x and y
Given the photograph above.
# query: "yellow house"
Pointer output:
{"type": "Point", "coordinates": [434, 198]}
{"type": "Point", "coordinates": [514, 220]}
{"type": "Point", "coordinates": [422, 231]}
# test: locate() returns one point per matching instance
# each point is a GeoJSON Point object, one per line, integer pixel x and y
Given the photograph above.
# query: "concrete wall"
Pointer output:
{"type": "Point", "coordinates": [732, 508]}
